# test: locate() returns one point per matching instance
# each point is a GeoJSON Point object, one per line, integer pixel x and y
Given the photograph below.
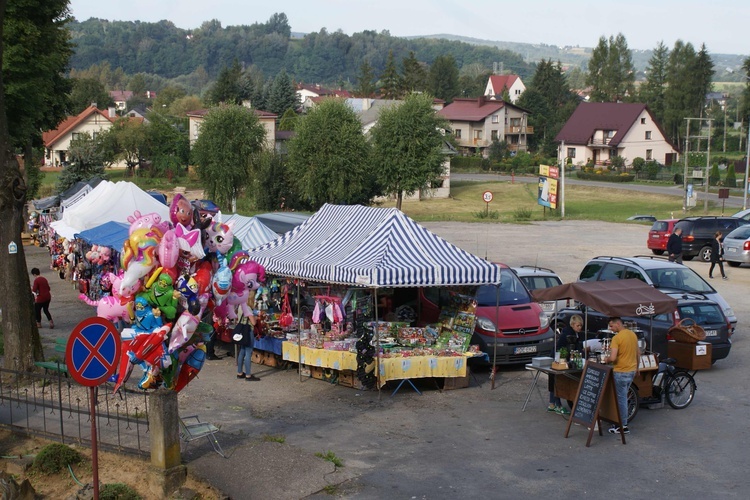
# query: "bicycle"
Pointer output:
{"type": "Point", "coordinates": [674, 385]}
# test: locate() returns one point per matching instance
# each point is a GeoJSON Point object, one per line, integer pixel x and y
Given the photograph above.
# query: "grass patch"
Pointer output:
{"type": "Point", "coordinates": [277, 438]}
{"type": "Point", "coordinates": [55, 457]}
{"type": "Point", "coordinates": [118, 491]}
{"type": "Point", "coordinates": [330, 456]}
{"type": "Point", "coordinates": [331, 489]}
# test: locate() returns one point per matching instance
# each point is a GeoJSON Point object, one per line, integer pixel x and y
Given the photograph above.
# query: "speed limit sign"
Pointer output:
{"type": "Point", "coordinates": [487, 196]}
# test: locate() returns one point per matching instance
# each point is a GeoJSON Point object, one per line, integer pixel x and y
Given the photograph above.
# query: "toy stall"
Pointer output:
{"type": "Point", "coordinates": [352, 257]}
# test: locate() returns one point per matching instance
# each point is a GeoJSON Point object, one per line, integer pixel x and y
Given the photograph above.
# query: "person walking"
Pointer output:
{"type": "Point", "coordinates": [244, 336]}
{"type": "Point", "coordinates": [717, 255]}
{"type": "Point", "coordinates": [624, 354]}
{"type": "Point", "coordinates": [674, 246]}
{"type": "Point", "coordinates": [42, 298]}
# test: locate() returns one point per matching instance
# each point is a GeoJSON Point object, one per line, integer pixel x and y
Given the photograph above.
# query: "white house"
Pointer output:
{"type": "Point", "coordinates": [498, 83]}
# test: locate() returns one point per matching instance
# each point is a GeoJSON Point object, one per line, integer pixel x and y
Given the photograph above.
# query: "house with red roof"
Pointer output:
{"type": "Point", "coordinates": [121, 98]}
{"type": "Point", "coordinates": [476, 123]}
{"type": "Point", "coordinates": [599, 131]}
{"type": "Point", "coordinates": [57, 142]}
{"type": "Point", "coordinates": [497, 84]}
{"type": "Point", "coordinates": [268, 120]}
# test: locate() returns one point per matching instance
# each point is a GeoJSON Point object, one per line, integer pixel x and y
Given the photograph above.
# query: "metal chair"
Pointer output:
{"type": "Point", "coordinates": [191, 428]}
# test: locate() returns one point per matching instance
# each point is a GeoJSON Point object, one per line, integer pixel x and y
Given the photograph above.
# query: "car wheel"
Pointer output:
{"type": "Point", "coordinates": [733, 264]}
{"type": "Point", "coordinates": [658, 252]}
{"type": "Point", "coordinates": [705, 254]}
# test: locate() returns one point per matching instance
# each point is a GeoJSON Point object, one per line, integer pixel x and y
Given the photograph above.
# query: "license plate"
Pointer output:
{"type": "Point", "coordinates": [712, 333]}
{"type": "Point", "coordinates": [655, 236]}
{"type": "Point", "coordinates": [525, 349]}
{"type": "Point", "coordinates": [731, 250]}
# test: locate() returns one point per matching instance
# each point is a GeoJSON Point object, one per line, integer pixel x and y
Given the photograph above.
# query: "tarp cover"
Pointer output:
{"type": "Point", "coordinates": [250, 231]}
{"type": "Point", "coordinates": [376, 247]}
{"type": "Point", "coordinates": [281, 222]}
{"type": "Point", "coordinates": [107, 202]}
{"type": "Point", "coordinates": [626, 298]}
{"type": "Point", "coordinates": [110, 234]}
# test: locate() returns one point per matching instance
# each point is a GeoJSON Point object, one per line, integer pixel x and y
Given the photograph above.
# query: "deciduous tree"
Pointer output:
{"type": "Point", "coordinates": [226, 152]}
{"type": "Point", "coordinates": [329, 157]}
{"type": "Point", "coordinates": [86, 92]}
{"type": "Point", "coordinates": [408, 147]}
{"type": "Point", "coordinates": [87, 157]}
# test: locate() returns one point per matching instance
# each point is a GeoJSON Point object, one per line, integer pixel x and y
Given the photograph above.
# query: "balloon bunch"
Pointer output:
{"type": "Point", "coordinates": [177, 278]}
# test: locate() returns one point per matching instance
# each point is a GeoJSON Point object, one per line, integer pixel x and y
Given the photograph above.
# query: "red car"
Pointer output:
{"type": "Point", "coordinates": [659, 235]}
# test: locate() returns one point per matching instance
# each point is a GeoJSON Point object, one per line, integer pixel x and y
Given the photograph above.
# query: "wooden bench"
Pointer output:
{"type": "Point", "coordinates": [55, 366]}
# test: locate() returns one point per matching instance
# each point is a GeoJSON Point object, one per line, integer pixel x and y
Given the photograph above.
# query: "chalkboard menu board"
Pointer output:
{"type": "Point", "coordinates": [596, 385]}
{"type": "Point", "coordinates": [589, 394]}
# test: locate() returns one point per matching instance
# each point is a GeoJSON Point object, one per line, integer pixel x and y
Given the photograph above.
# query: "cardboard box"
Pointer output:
{"type": "Point", "coordinates": [257, 357]}
{"type": "Point", "coordinates": [690, 356]}
{"type": "Point", "coordinates": [270, 359]}
{"type": "Point", "coordinates": [451, 383]}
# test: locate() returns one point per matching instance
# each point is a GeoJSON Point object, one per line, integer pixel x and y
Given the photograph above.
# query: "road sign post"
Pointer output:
{"type": "Point", "coordinates": [92, 355]}
{"type": "Point", "coordinates": [487, 197]}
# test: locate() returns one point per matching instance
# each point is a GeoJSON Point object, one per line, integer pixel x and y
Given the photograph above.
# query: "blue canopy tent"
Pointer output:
{"type": "Point", "coordinates": [110, 234]}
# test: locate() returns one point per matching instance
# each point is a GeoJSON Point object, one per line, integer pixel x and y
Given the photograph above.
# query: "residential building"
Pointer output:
{"type": "Point", "coordinates": [57, 142]}
{"type": "Point", "coordinates": [307, 94]}
{"type": "Point", "coordinates": [121, 98]}
{"type": "Point", "coordinates": [268, 120]}
{"type": "Point", "coordinates": [598, 131]}
{"type": "Point", "coordinates": [476, 123]}
{"type": "Point", "coordinates": [498, 83]}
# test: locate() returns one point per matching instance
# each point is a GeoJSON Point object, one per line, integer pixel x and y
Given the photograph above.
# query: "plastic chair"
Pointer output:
{"type": "Point", "coordinates": [196, 430]}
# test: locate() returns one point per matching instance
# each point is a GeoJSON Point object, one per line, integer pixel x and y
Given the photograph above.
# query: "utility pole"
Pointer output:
{"type": "Point", "coordinates": [685, 176]}
{"type": "Point", "coordinates": [708, 166]}
{"type": "Point", "coordinates": [747, 168]}
{"type": "Point", "coordinates": [562, 186]}
{"type": "Point", "coordinates": [708, 155]}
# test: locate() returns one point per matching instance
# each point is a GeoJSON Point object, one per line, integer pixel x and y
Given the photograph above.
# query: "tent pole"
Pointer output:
{"type": "Point", "coordinates": [299, 334]}
{"type": "Point", "coordinates": [377, 343]}
{"type": "Point", "coordinates": [497, 323]}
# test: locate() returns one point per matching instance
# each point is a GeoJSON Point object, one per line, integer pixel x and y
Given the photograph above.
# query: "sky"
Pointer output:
{"type": "Point", "coordinates": [720, 24]}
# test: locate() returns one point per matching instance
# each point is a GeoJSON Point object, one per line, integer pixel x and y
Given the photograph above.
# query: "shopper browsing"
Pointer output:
{"type": "Point", "coordinates": [624, 354]}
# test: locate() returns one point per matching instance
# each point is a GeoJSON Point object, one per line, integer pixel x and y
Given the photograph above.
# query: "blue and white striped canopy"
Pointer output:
{"type": "Point", "coordinates": [374, 247]}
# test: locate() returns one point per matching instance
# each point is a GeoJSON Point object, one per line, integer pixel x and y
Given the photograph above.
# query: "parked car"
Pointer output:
{"type": "Point", "coordinates": [705, 313]}
{"type": "Point", "coordinates": [539, 277]}
{"type": "Point", "coordinates": [658, 235]}
{"type": "Point", "coordinates": [642, 218]}
{"type": "Point", "coordinates": [697, 233]}
{"type": "Point", "coordinates": [657, 272]}
{"type": "Point", "coordinates": [743, 214]}
{"type": "Point", "coordinates": [737, 246]}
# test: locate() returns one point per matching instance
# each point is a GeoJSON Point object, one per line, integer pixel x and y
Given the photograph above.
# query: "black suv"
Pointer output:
{"type": "Point", "coordinates": [697, 233]}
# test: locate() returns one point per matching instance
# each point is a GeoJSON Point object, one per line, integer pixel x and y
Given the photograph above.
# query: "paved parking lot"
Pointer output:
{"type": "Point", "coordinates": [476, 442]}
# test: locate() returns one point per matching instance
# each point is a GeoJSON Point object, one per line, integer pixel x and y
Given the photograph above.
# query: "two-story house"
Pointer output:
{"type": "Point", "coordinates": [598, 131]}
{"type": "Point", "coordinates": [268, 120]}
{"type": "Point", "coordinates": [496, 85]}
{"type": "Point", "coordinates": [476, 123]}
{"type": "Point", "coordinates": [57, 142]}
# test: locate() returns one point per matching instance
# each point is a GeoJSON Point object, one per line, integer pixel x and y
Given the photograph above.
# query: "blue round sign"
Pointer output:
{"type": "Point", "coordinates": [93, 351]}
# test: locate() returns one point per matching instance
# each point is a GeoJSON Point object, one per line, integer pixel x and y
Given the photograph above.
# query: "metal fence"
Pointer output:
{"type": "Point", "coordinates": [53, 406]}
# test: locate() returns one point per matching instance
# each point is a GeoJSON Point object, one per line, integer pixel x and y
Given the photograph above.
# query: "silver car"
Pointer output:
{"type": "Point", "coordinates": [737, 246]}
{"type": "Point", "coordinates": [539, 277]}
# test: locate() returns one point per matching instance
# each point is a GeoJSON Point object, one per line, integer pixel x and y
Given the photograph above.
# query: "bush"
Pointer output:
{"type": "Point", "coordinates": [652, 169]}
{"type": "Point", "coordinates": [678, 179]}
{"type": "Point", "coordinates": [638, 164]}
{"type": "Point", "coordinates": [118, 491]}
{"type": "Point", "coordinates": [731, 178]}
{"type": "Point", "coordinates": [487, 215]}
{"type": "Point", "coordinates": [522, 214]}
{"type": "Point", "coordinates": [55, 457]}
{"type": "Point", "coordinates": [714, 178]}
{"type": "Point", "coordinates": [600, 175]}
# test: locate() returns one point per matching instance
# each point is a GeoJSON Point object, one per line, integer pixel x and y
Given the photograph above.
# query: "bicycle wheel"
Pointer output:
{"type": "Point", "coordinates": [632, 403]}
{"type": "Point", "coordinates": [680, 390]}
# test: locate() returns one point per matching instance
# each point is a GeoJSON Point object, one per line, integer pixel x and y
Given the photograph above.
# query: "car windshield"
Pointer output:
{"type": "Point", "coordinates": [741, 233]}
{"type": "Point", "coordinates": [679, 278]}
{"type": "Point", "coordinates": [702, 313]}
{"type": "Point", "coordinates": [512, 291]}
{"type": "Point", "coordinates": [660, 225]}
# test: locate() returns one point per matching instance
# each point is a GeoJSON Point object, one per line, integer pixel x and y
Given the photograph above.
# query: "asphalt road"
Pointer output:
{"type": "Point", "coordinates": [474, 442]}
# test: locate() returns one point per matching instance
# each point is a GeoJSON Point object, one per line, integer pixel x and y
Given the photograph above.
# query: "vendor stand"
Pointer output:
{"type": "Point", "coordinates": [372, 249]}
{"type": "Point", "coordinates": [623, 298]}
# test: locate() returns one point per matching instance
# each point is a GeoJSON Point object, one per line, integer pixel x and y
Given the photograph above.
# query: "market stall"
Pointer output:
{"type": "Point", "coordinates": [373, 249]}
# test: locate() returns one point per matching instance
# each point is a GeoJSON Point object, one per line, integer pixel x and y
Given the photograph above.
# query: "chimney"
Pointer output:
{"type": "Point", "coordinates": [93, 104]}
{"type": "Point", "coordinates": [480, 101]}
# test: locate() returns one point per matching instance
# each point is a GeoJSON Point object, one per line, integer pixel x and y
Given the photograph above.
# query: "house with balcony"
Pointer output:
{"type": "Point", "coordinates": [598, 131]}
{"type": "Point", "coordinates": [496, 85]}
{"type": "Point", "coordinates": [476, 123]}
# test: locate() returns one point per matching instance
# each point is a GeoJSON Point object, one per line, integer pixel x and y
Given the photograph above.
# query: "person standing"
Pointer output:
{"type": "Point", "coordinates": [717, 255]}
{"type": "Point", "coordinates": [42, 298]}
{"type": "Point", "coordinates": [674, 246]}
{"type": "Point", "coordinates": [246, 343]}
{"type": "Point", "coordinates": [624, 354]}
{"type": "Point", "coordinates": [569, 340]}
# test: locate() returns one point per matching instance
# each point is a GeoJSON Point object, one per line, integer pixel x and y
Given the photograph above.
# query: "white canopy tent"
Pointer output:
{"type": "Point", "coordinates": [107, 202]}
{"type": "Point", "coordinates": [250, 231]}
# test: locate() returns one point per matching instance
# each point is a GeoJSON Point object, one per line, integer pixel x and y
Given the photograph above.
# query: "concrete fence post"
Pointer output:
{"type": "Point", "coordinates": [168, 473]}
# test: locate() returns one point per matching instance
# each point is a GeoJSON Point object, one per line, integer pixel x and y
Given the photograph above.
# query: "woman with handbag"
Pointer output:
{"type": "Point", "coordinates": [717, 255]}
{"type": "Point", "coordinates": [244, 337]}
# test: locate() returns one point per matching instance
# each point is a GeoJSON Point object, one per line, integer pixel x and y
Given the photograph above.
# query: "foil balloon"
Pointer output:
{"type": "Point", "coordinates": [138, 256]}
{"type": "Point", "coordinates": [117, 306]}
{"type": "Point", "coordinates": [190, 368]}
{"type": "Point", "coordinates": [181, 211]}
{"type": "Point", "coordinates": [138, 221]}
{"type": "Point", "coordinates": [169, 249]}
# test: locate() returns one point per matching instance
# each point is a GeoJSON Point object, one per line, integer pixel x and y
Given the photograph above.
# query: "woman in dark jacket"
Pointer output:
{"type": "Point", "coordinates": [717, 255]}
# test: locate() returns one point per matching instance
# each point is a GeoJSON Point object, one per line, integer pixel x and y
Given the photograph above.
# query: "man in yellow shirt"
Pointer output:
{"type": "Point", "coordinates": [624, 355]}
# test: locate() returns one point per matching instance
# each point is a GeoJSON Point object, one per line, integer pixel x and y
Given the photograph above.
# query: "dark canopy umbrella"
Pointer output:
{"type": "Point", "coordinates": [628, 298]}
